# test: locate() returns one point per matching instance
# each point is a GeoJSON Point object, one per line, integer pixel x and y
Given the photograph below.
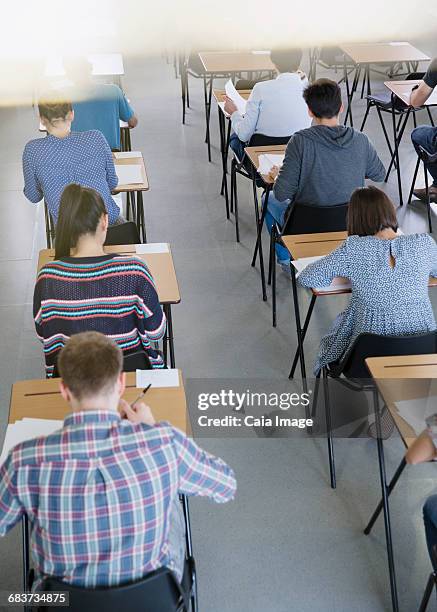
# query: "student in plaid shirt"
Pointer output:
{"type": "Point", "coordinates": [101, 494]}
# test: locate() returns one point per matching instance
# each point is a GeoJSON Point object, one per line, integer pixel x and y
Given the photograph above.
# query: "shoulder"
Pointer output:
{"type": "Point", "coordinates": [33, 146]}
{"type": "Point", "coordinates": [414, 241]}
{"type": "Point", "coordinates": [260, 88]}
{"type": "Point", "coordinates": [31, 452]}
{"type": "Point", "coordinates": [90, 136]}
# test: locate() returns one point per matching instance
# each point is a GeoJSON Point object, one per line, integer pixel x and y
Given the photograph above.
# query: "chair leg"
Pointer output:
{"type": "Point", "coordinates": [315, 396]}
{"type": "Point", "coordinates": [272, 268]}
{"type": "Point", "coordinates": [366, 114]}
{"type": "Point", "coordinates": [413, 184]}
{"type": "Point", "coordinates": [271, 256]}
{"type": "Point", "coordinates": [329, 429]}
{"type": "Point", "coordinates": [432, 581]}
{"type": "Point", "coordinates": [431, 120]}
{"type": "Point", "coordinates": [428, 197]}
{"type": "Point", "coordinates": [233, 179]}
{"type": "Point", "coordinates": [237, 226]}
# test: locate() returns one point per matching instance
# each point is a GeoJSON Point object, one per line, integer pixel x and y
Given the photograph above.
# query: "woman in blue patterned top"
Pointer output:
{"type": "Point", "coordinates": [86, 289]}
{"type": "Point", "coordinates": [64, 157]}
{"type": "Point", "coordinates": [389, 274]}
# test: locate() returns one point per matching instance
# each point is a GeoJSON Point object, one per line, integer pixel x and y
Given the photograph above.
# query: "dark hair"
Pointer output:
{"type": "Point", "coordinates": [286, 60]}
{"type": "Point", "coordinates": [80, 211]}
{"type": "Point", "coordinates": [52, 106]}
{"type": "Point", "coordinates": [89, 364]}
{"type": "Point", "coordinates": [323, 98]}
{"type": "Point", "coordinates": [370, 211]}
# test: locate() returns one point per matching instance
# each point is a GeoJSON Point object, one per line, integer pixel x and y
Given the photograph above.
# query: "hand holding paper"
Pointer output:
{"type": "Point", "coordinates": [236, 98]}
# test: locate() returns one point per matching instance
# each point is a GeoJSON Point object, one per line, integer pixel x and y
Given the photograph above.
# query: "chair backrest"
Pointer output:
{"type": "Point", "coordinates": [305, 219]}
{"type": "Point", "coordinates": [126, 233]}
{"type": "Point", "coordinates": [414, 76]}
{"type": "Point", "coordinates": [159, 590]}
{"type": "Point", "coordinates": [262, 140]}
{"type": "Point", "coordinates": [136, 361]}
{"type": "Point", "coordinates": [373, 345]}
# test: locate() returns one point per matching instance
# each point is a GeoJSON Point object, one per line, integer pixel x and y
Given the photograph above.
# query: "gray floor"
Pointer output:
{"type": "Point", "coordinates": [288, 542]}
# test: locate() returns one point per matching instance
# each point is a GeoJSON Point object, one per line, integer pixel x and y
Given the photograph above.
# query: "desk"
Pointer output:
{"type": "Point", "coordinates": [219, 95]}
{"type": "Point", "coordinates": [42, 399]}
{"type": "Point", "coordinates": [134, 193]}
{"type": "Point", "coordinates": [253, 154]}
{"type": "Point", "coordinates": [402, 91]}
{"type": "Point", "coordinates": [365, 54]}
{"type": "Point", "coordinates": [397, 378]}
{"type": "Point", "coordinates": [162, 268]}
{"type": "Point", "coordinates": [313, 245]}
{"type": "Point", "coordinates": [228, 64]}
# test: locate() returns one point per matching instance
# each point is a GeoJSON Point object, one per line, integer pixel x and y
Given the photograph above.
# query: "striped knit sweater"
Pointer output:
{"type": "Point", "coordinates": [111, 294]}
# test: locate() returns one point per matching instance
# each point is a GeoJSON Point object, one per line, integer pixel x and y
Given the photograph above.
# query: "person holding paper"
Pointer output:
{"type": "Point", "coordinates": [426, 135]}
{"type": "Point", "coordinates": [86, 288]}
{"type": "Point", "coordinates": [323, 164]}
{"type": "Point", "coordinates": [97, 106]}
{"type": "Point", "coordinates": [64, 157]}
{"type": "Point", "coordinates": [275, 108]}
{"type": "Point", "coordinates": [389, 274]}
{"type": "Point", "coordinates": [102, 493]}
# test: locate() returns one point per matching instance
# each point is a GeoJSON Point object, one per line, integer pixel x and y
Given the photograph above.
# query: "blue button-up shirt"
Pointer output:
{"type": "Point", "coordinates": [99, 492]}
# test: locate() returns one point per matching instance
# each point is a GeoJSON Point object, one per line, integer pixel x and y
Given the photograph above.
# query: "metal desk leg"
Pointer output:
{"type": "Point", "coordinates": [208, 97]}
{"type": "Point", "coordinates": [169, 335]}
{"type": "Point", "coordinates": [224, 154]}
{"type": "Point", "coordinates": [297, 320]}
{"type": "Point", "coordinates": [329, 429]}
{"type": "Point", "coordinates": [141, 224]}
{"type": "Point", "coordinates": [304, 331]}
{"type": "Point", "coordinates": [396, 150]}
{"type": "Point", "coordinates": [391, 486]}
{"type": "Point", "coordinates": [258, 245]}
{"type": "Point", "coordinates": [384, 489]}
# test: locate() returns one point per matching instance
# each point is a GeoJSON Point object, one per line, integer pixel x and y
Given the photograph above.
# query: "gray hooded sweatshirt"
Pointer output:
{"type": "Point", "coordinates": [323, 165]}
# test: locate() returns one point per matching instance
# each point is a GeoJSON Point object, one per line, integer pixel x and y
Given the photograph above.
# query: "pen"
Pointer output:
{"type": "Point", "coordinates": [141, 395]}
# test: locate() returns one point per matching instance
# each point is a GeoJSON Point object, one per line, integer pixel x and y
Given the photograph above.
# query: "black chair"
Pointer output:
{"type": "Point", "coordinates": [304, 219]}
{"type": "Point", "coordinates": [353, 369]}
{"type": "Point", "coordinates": [126, 233]}
{"type": "Point", "coordinates": [426, 158]}
{"type": "Point", "coordinates": [243, 167]}
{"type": "Point", "coordinates": [50, 227]}
{"type": "Point", "coordinates": [432, 582]}
{"type": "Point", "coordinates": [159, 590]}
{"type": "Point", "coordinates": [383, 104]}
{"type": "Point", "coordinates": [136, 361]}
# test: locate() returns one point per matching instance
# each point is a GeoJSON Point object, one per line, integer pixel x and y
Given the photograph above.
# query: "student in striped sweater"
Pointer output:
{"type": "Point", "coordinates": [86, 289]}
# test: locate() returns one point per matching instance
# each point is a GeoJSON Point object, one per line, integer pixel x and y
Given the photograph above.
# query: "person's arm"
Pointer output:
{"type": "Point", "coordinates": [32, 189]}
{"type": "Point", "coordinates": [375, 170]}
{"type": "Point", "coordinates": [422, 449]}
{"type": "Point", "coordinates": [154, 320]}
{"type": "Point", "coordinates": [200, 473]}
{"type": "Point", "coordinates": [419, 96]}
{"type": "Point", "coordinates": [11, 509]}
{"type": "Point", "coordinates": [433, 257]}
{"type": "Point", "coordinates": [37, 311]}
{"type": "Point", "coordinates": [111, 175]}
{"type": "Point", "coordinates": [245, 126]}
{"type": "Point", "coordinates": [321, 273]}
{"type": "Point", "coordinates": [287, 181]}
{"type": "Point", "coordinates": [125, 110]}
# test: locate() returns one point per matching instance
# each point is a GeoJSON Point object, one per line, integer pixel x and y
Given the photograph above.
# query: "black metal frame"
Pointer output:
{"type": "Point", "coordinates": [425, 157]}
{"type": "Point", "coordinates": [50, 227]}
{"type": "Point", "coordinates": [432, 582]}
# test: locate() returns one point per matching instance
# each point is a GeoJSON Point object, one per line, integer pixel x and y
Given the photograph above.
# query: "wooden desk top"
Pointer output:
{"type": "Point", "coordinates": [253, 154]}
{"type": "Point", "coordinates": [313, 245]}
{"type": "Point", "coordinates": [41, 399]}
{"type": "Point", "coordinates": [402, 89]}
{"type": "Point", "coordinates": [161, 266]}
{"type": "Point", "coordinates": [383, 52]}
{"type": "Point", "coordinates": [403, 378]}
{"type": "Point", "coordinates": [218, 62]}
{"type": "Point", "coordinates": [219, 95]}
{"type": "Point", "coordinates": [137, 161]}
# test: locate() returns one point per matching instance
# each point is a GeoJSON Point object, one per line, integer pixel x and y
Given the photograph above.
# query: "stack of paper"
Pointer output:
{"type": "Point", "coordinates": [157, 378]}
{"type": "Point", "coordinates": [304, 262]}
{"type": "Point", "coordinates": [128, 174]}
{"type": "Point", "coordinates": [26, 429]}
{"type": "Point", "coordinates": [416, 411]}
{"type": "Point", "coordinates": [337, 283]}
{"type": "Point", "coordinates": [152, 247]}
{"type": "Point", "coordinates": [268, 160]}
{"type": "Point", "coordinates": [236, 98]}
{"type": "Point", "coordinates": [127, 154]}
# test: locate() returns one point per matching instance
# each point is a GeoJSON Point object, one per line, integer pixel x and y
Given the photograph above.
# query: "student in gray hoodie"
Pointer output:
{"type": "Point", "coordinates": [323, 164]}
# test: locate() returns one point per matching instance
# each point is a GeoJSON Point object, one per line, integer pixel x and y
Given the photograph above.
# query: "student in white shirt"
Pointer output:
{"type": "Point", "coordinates": [275, 108]}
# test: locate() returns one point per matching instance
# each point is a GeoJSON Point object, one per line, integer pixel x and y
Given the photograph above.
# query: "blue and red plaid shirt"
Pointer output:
{"type": "Point", "coordinates": [99, 492]}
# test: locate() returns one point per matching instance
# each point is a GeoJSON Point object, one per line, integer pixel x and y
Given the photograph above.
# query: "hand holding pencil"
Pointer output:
{"type": "Point", "coordinates": [138, 411]}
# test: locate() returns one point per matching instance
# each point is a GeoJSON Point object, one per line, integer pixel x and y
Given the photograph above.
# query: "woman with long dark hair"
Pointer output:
{"type": "Point", "coordinates": [86, 289]}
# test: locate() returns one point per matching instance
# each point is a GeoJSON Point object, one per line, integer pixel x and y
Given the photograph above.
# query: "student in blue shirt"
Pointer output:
{"type": "Point", "coordinates": [64, 157]}
{"type": "Point", "coordinates": [97, 106]}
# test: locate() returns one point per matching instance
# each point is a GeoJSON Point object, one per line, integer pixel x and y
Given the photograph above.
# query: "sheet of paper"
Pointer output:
{"type": "Point", "coordinates": [118, 199]}
{"type": "Point", "coordinates": [415, 411]}
{"type": "Point", "coordinates": [336, 285]}
{"type": "Point", "coordinates": [157, 378]}
{"type": "Point", "coordinates": [398, 44]}
{"type": "Point", "coordinates": [236, 98]}
{"type": "Point", "coordinates": [153, 247]}
{"type": "Point", "coordinates": [26, 430]}
{"type": "Point", "coordinates": [261, 52]}
{"type": "Point", "coordinates": [266, 162]}
{"type": "Point", "coordinates": [304, 262]}
{"type": "Point", "coordinates": [127, 154]}
{"type": "Point", "coordinates": [128, 174]}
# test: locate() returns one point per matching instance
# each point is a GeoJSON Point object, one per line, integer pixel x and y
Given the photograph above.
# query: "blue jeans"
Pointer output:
{"type": "Point", "coordinates": [430, 520]}
{"type": "Point", "coordinates": [426, 136]}
{"type": "Point", "coordinates": [275, 213]}
{"type": "Point", "coordinates": [237, 146]}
